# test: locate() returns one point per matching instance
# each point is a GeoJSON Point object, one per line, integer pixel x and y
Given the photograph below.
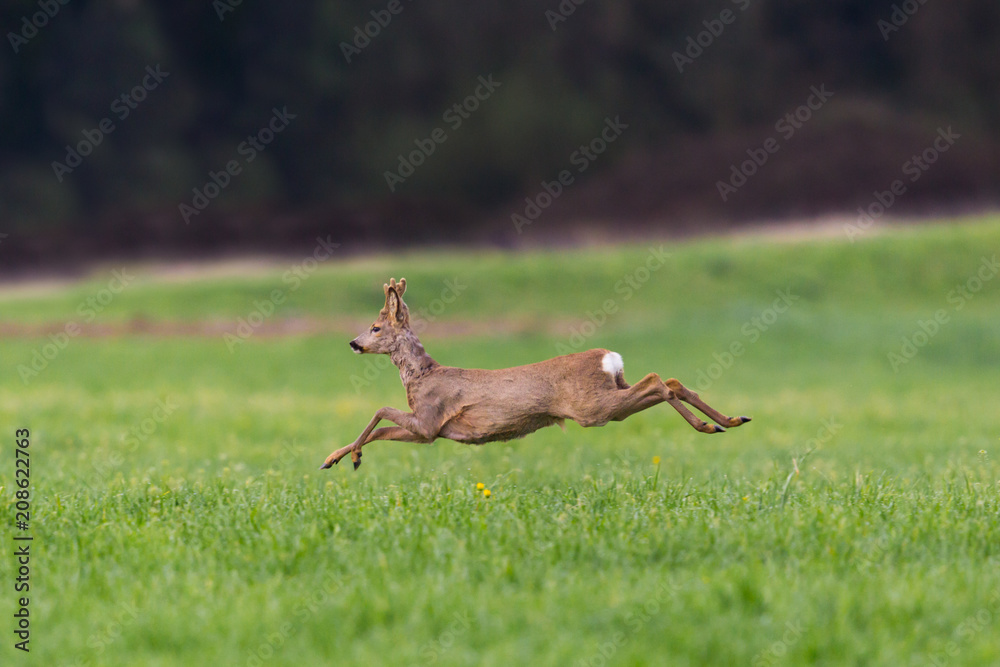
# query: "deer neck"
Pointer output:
{"type": "Point", "coordinates": [411, 359]}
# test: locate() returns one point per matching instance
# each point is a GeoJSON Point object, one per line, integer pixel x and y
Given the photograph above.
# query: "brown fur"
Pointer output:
{"type": "Point", "coordinates": [477, 406]}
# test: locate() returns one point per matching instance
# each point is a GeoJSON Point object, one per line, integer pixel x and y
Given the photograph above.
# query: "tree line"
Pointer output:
{"type": "Point", "coordinates": [118, 111]}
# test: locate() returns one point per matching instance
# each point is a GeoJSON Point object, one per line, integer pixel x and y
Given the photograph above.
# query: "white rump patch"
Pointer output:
{"type": "Point", "coordinates": [612, 363]}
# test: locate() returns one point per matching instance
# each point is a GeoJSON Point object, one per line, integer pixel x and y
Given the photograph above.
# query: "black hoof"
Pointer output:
{"type": "Point", "coordinates": [719, 429]}
{"type": "Point", "coordinates": [745, 419]}
{"type": "Point", "coordinates": [357, 464]}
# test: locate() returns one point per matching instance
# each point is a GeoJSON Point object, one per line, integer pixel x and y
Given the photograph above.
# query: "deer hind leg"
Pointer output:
{"type": "Point", "coordinates": [688, 396]}
{"type": "Point", "coordinates": [650, 391]}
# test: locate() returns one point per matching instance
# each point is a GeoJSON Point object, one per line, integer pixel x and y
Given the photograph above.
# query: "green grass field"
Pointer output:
{"type": "Point", "coordinates": [179, 517]}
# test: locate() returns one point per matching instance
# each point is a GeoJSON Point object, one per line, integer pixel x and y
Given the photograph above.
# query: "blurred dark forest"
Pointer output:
{"type": "Point", "coordinates": [898, 71]}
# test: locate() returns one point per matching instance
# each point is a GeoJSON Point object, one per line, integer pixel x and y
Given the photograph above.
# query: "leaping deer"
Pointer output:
{"type": "Point", "coordinates": [477, 406]}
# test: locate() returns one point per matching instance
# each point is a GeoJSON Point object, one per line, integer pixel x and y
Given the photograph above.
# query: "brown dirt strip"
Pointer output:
{"type": "Point", "coordinates": [278, 328]}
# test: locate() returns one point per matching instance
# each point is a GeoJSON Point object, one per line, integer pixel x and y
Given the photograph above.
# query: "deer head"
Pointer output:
{"type": "Point", "coordinates": [392, 325]}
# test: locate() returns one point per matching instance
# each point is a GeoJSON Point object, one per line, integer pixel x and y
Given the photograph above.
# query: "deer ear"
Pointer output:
{"type": "Point", "coordinates": [393, 305]}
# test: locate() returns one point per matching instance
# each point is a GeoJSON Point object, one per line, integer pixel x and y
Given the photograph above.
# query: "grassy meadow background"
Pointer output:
{"type": "Point", "coordinates": [854, 521]}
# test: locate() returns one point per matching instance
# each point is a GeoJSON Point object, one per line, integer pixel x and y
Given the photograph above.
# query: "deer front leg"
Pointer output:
{"type": "Point", "coordinates": [408, 421]}
{"type": "Point", "coordinates": [397, 433]}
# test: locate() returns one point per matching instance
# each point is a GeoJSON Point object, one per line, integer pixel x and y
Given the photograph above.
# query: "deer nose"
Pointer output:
{"type": "Point", "coordinates": [355, 346]}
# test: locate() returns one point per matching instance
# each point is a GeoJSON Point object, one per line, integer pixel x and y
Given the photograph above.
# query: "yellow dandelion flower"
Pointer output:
{"type": "Point", "coordinates": [656, 460]}
{"type": "Point", "coordinates": [486, 493]}
{"type": "Point", "coordinates": [480, 486]}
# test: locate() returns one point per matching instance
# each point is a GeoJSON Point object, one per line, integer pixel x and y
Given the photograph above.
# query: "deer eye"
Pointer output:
{"type": "Point", "coordinates": [376, 329]}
